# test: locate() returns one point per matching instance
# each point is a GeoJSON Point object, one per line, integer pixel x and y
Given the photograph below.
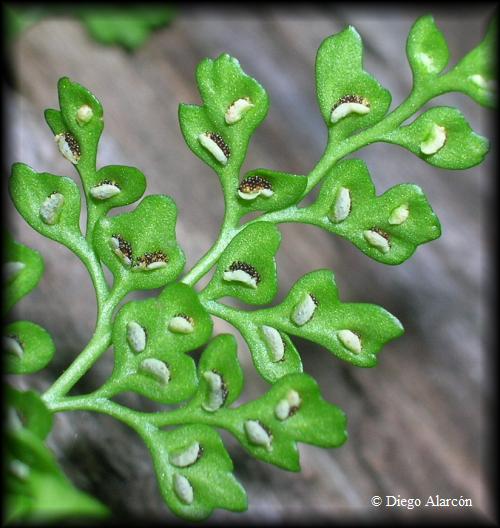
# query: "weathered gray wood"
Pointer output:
{"type": "Point", "coordinates": [416, 421]}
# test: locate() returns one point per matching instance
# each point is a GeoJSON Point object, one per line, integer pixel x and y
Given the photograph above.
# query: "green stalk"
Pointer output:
{"type": "Point", "coordinates": [229, 229]}
{"type": "Point", "coordinates": [91, 353]}
{"type": "Point", "coordinates": [134, 419]}
{"type": "Point", "coordinates": [137, 420]}
{"type": "Point", "coordinates": [83, 251]}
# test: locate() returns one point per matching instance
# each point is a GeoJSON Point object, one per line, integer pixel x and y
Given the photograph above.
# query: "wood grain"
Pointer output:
{"type": "Point", "coordinates": [418, 421]}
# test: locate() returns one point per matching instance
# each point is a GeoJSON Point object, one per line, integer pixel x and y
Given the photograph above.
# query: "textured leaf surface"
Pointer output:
{"type": "Point", "coordinates": [312, 421]}
{"type": "Point", "coordinates": [426, 48]}
{"type": "Point", "coordinates": [373, 325]}
{"type": "Point", "coordinates": [416, 224]}
{"type": "Point", "coordinates": [30, 190]}
{"type": "Point", "coordinates": [222, 82]}
{"type": "Point", "coordinates": [263, 358]}
{"type": "Point", "coordinates": [255, 246]}
{"type": "Point", "coordinates": [272, 362]}
{"type": "Point", "coordinates": [36, 347]}
{"type": "Point", "coordinates": [209, 478]}
{"type": "Point", "coordinates": [149, 229]}
{"type": "Point", "coordinates": [221, 357]}
{"type": "Point", "coordinates": [287, 190]}
{"type": "Point", "coordinates": [315, 422]}
{"type": "Point", "coordinates": [55, 121]}
{"type": "Point", "coordinates": [476, 74]}
{"type": "Point", "coordinates": [463, 148]}
{"type": "Point", "coordinates": [154, 316]}
{"type": "Point", "coordinates": [73, 98]}
{"type": "Point", "coordinates": [130, 181]}
{"type": "Point", "coordinates": [339, 73]}
{"type": "Point", "coordinates": [23, 268]}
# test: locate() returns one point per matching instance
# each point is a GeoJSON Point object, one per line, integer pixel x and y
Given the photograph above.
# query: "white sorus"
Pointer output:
{"type": "Point", "coordinates": [121, 248]}
{"type": "Point", "coordinates": [350, 340]}
{"type": "Point", "coordinates": [156, 265]}
{"type": "Point", "coordinates": [275, 342]}
{"type": "Point", "coordinates": [136, 336]}
{"type": "Point", "coordinates": [215, 145]}
{"type": "Point", "coordinates": [304, 310]}
{"type": "Point", "coordinates": [158, 369]}
{"type": "Point", "coordinates": [104, 190]}
{"type": "Point", "coordinates": [181, 324]}
{"type": "Point", "coordinates": [434, 141]}
{"type": "Point", "coordinates": [11, 269]}
{"type": "Point", "coordinates": [426, 61]}
{"type": "Point", "coordinates": [376, 240]}
{"type": "Point", "coordinates": [187, 457]}
{"type": "Point", "coordinates": [236, 111]}
{"type": "Point", "coordinates": [287, 406]}
{"type": "Point", "coordinates": [254, 186]}
{"type": "Point", "coordinates": [399, 214]}
{"type": "Point", "coordinates": [68, 147]}
{"type": "Point", "coordinates": [242, 272]}
{"type": "Point", "coordinates": [216, 391]}
{"type": "Point", "coordinates": [12, 345]}
{"type": "Point", "coordinates": [19, 469]}
{"type": "Point", "coordinates": [342, 206]}
{"type": "Point", "coordinates": [51, 208]}
{"type": "Point", "coordinates": [151, 261]}
{"type": "Point", "coordinates": [240, 276]}
{"type": "Point", "coordinates": [349, 104]}
{"type": "Point", "coordinates": [257, 435]}
{"type": "Point", "coordinates": [481, 82]}
{"type": "Point", "coordinates": [84, 114]}
{"type": "Point", "coordinates": [183, 489]}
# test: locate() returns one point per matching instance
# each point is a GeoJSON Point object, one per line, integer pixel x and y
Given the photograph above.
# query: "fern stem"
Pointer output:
{"type": "Point", "coordinates": [91, 353]}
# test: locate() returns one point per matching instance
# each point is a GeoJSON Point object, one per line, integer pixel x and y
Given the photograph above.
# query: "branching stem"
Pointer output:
{"type": "Point", "coordinates": [334, 152]}
{"type": "Point", "coordinates": [92, 352]}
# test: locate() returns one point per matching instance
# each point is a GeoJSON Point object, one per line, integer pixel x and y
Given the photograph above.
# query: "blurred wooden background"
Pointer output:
{"type": "Point", "coordinates": [419, 421]}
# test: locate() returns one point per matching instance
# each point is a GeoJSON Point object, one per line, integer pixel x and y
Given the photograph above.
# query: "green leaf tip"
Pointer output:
{"type": "Point", "coordinates": [234, 105]}
{"type": "Point", "coordinates": [426, 49]}
{"type": "Point", "coordinates": [442, 137]}
{"type": "Point", "coordinates": [77, 127]}
{"type": "Point", "coordinates": [476, 74]}
{"type": "Point", "coordinates": [349, 98]}
{"type": "Point", "coordinates": [194, 472]}
{"type": "Point", "coordinates": [292, 411]}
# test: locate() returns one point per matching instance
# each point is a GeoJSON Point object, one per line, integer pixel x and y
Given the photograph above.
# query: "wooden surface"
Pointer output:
{"type": "Point", "coordinates": [419, 421]}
